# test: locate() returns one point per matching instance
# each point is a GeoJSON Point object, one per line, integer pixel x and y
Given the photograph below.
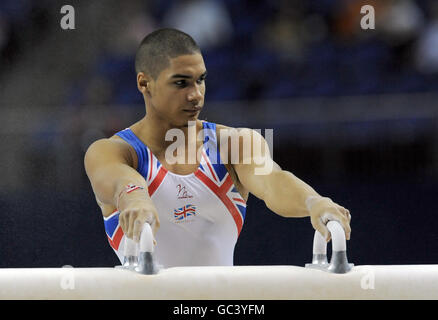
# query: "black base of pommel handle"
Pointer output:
{"type": "Point", "coordinates": [339, 262]}
{"type": "Point", "coordinates": [145, 263]}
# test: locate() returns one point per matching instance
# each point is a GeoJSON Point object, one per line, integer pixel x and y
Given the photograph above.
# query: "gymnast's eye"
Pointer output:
{"type": "Point", "coordinates": [180, 83]}
{"type": "Point", "coordinates": [201, 79]}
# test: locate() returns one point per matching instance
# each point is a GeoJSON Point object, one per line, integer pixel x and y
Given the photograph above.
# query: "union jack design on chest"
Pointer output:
{"type": "Point", "coordinates": [211, 172]}
{"type": "Point", "coordinates": [214, 175]}
{"type": "Point", "coordinates": [181, 214]}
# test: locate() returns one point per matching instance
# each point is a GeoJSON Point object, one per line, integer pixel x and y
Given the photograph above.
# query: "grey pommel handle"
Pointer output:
{"type": "Point", "coordinates": [145, 257]}
{"type": "Point", "coordinates": [338, 262]}
{"type": "Point", "coordinates": [319, 249]}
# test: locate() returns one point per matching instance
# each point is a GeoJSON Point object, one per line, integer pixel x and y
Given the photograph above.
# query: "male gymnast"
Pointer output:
{"type": "Point", "coordinates": [196, 208]}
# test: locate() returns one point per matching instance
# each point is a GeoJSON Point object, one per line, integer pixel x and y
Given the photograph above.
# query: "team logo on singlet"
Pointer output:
{"type": "Point", "coordinates": [182, 193]}
{"type": "Point", "coordinates": [185, 213]}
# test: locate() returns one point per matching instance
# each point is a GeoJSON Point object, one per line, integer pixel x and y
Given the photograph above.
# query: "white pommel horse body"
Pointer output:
{"type": "Point", "coordinates": [139, 279]}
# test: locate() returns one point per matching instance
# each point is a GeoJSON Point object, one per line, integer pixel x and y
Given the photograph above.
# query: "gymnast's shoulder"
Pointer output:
{"type": "Point", "coordinates": [227, 131]}
{"type": "Point", "coordinates": [107, 150]}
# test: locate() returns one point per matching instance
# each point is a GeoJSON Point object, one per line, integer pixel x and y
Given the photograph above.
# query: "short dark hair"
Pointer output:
{"type": "Point", "coordinates": [158, 47]}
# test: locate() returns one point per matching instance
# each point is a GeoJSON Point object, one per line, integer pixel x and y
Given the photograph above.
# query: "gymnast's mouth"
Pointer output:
{"type": "Point", "coordinates": [192, 110]}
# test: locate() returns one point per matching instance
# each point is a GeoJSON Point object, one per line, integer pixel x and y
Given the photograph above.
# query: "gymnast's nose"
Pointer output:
{"type": "Point", "coordinates": [196, 94]}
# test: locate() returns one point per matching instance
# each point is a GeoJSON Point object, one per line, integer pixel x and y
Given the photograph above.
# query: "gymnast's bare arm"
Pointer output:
{"type": "Point", "coordinates": [283, 192]}
{"type": "Point", "coordinates": [110, 167]}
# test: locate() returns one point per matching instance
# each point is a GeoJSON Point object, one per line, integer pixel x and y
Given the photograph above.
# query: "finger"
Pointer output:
{"type": "Point", "coordinates": [122, 222]}
{"type": "Point", "coordinates": [347, 215]}
{"type": "Point", "coordinates": [137, 227]}
{"type": "Point", "coordinates": [344, 211]}
{"type": "Point", "coordinates": [126, 224]}
{"type": "Point", "coordinates": [125, 219]}
{"type": "Point", "coordinates": [347, 212]}
{"type": "Point", "coordinates": [345, 222]}
{"type": "Point", "coordinates": [319, 226]}
{"type": "Point", "coordinates": [155, 225]}
{"type": "Point", "coordinates": [132, 219]}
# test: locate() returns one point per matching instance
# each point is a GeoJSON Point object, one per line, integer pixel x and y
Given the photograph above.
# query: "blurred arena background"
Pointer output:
{"type": "Point", "coordinates": [354, 114]}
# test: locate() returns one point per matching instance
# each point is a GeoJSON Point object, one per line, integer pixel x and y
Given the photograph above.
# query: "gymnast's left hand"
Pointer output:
{"type": "Point", "coordinates": [322, 210]}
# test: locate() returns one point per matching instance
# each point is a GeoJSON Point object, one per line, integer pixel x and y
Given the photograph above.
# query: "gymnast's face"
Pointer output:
{"type": "Point", "coordinates": [177, 95]}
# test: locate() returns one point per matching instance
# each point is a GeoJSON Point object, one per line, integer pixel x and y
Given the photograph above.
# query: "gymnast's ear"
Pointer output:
{"type": "Point", "coordinates": [143, 83]}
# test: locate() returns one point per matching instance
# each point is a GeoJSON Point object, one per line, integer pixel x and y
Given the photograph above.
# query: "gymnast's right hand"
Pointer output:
{"type": "Point", "coordinates": [134, 214]}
